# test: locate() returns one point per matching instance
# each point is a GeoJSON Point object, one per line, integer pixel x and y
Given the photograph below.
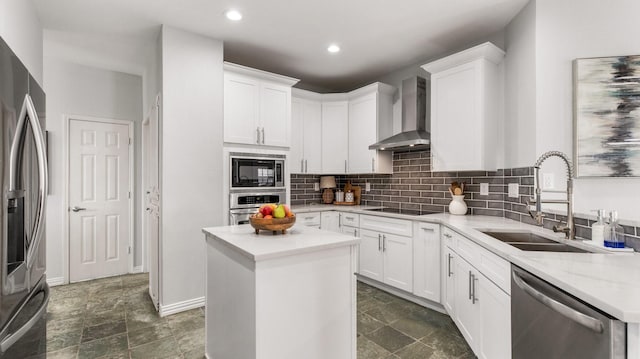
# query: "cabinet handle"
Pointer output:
{"type": "Point", "coordinates": [263, 135]}
{"type": "Point", "coordinates": [470, 284]}
{"type": "Point", "coordinates": [308, 218]}
{"type": "Point", "coordinates": [306, 167]}
{"type": "Point", "coordinates": [339, 220]}
{"type": "Point", "coordinates": [345, 166]}
{"type": "Point", "coordinates": [384, 243]}
{"type": "Point", "coordinates": [355, 232]}
{"type": "Point", "coordinates": [373, 165]}
{"type": "Point", "coordinates": [302, 166]}
{"type": "Point", "coordinates": [379, 242]}
{"type": "Point", "coordinates": [427, 229]}
{"type": "Point", "coordinates": [447, 235]}
{"type": "Point", "coordinates": [474, 299]}
{"type": "Point", "coordinates": [258, 135]}
{"type": "Point", "coordinates": [449, 257]}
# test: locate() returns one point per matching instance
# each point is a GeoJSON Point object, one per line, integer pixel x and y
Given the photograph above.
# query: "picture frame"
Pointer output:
{"type": "Point", "coordinates": [606, 127]}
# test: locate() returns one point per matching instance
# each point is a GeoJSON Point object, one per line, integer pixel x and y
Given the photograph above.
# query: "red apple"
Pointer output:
{"type": "Point", "coordinates": [267, 210]}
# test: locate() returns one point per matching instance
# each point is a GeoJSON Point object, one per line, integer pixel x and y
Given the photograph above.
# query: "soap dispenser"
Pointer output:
{"type": "Point", "coordinates": [614, 234]}
{"type": "Point", "coordinates": [597, 229]}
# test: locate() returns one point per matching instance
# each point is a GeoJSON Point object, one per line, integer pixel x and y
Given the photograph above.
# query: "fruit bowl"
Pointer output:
{"type": "Point", "coordinates": [272, 224]}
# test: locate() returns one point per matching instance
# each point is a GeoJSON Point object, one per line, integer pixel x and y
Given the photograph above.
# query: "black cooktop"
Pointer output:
{"type": "Point", "coordinates": [412, 212]}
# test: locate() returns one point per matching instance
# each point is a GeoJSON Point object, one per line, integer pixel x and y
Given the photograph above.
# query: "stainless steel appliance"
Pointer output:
{"type": "Point", "coordinates": [547, 322]}
{"type": "Point", "coordinates": [244, 204]}
{"type": "Point", "coordinates": [251, 171]}
{"type": "Point", "coordinates": [24, 293]}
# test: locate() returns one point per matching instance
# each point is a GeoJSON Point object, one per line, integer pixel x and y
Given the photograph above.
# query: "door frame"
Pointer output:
{"type": "Point", "coordinates": [66, 247]}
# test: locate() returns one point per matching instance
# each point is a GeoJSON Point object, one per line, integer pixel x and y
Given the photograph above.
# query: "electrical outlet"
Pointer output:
{"type": "Point", "coordinates": [367, 187]}
{"type": "Point", "coordinates": [316, 186]}
{"type": "Point", "coordinates": [548, 180]}
{"type": "Point", "coordinates": [484, 189]}
{"type": "Point", "coordinates": [514, 190]}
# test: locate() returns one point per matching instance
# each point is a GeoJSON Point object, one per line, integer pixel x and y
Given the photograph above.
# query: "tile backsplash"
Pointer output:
{"type": "Point", "coordinates": [414, 186]}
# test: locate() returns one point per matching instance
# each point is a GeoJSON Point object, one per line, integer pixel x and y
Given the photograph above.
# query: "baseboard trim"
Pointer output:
{"type": "Point", "coordinates": [181, 306]}
{"type": "Point", "coordinates": [52, 282]}
{"type": "Point", "coordinates": [137, 269]}
{"type": "Point", "coordinates": [404, 295]}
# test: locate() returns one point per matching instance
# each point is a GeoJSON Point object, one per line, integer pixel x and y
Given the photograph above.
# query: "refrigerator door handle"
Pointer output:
{"type": "Point", "coordinates": [29, 113]}
{"type": "Point", "coordinates": [9, 340]}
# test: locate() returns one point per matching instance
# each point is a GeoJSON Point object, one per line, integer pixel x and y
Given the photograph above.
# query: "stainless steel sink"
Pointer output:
{"type": "Point", "coordinates": [519, 237]}
{"type": "Point", "coordinates": [527, 241]}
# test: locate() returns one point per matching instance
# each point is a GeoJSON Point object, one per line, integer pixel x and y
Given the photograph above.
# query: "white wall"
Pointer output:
{"type": "Point", "coordinates": [21, 29]}
{"type": "Point", "coordinates": [520, 87]}
{"type": "Point", "coordinates": [560, 32]}
{"type": "Point", "coordinates": [79, 90]}
{"type": "Point", "coordinates": [191, 158]}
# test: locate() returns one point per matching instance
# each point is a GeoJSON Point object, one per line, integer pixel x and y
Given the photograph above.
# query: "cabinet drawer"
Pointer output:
{"type": "Point", "coordinates": [400, 227]}
{"type": "Point", "coordinates": [447, 237]}
{"type": "Point", "coordinates": [309, 218]}
{"type": "Point", "coordinates": [349, 219]}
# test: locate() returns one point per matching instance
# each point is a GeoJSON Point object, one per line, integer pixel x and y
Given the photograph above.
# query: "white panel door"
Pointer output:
{"type": "Point", "coordinates": [426, 261]}
{"type": "Point", "coordinates": [371, 261]}
{"type": "Point", "coordinates": [150, 153]}
{"type": "Point", "coordinates": [398, 261]}
{"type": "Point", "coordinates": [99, 192]}
{"type": "Point", "coordinates": [467, 313]}
{"type": "Point", "coordinates": [312, 117]}
{"type": "Point", "coordinates": [363, 132]}
{"type": "Point", "coordinates": [296, 152]}
{"type": "Point", "coordinates": [449, 281]}
{"type": "Point", "coordinates": [329, 221]}
{"type": "Point", "coordinates": [275, 114]}
{"type": "Point", "coordinates": [335, 136]}
{"type": "Point", "coordinates": [495, 321]}
{"type": "Point", "coordinates": [241, 109]}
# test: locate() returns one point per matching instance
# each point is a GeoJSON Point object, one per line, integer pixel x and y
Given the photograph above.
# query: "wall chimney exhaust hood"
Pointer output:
{"type": "Point", "coordinates": [414, 134]}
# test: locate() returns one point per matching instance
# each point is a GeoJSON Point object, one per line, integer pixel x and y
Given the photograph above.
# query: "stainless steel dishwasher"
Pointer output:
{"type": "Point", "coordinates": [547, 322]}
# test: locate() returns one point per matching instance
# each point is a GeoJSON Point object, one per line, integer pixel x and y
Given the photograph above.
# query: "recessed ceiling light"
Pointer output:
{"type": "Point", "coordinates": [333, 48]}
{"type": "Point", "coordinates": [233, 15]}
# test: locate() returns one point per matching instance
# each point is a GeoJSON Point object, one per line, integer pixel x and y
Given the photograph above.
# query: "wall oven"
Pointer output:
{"type": "Point", "coordinates": [252, 171]}
{"type": "Point", "coordinates": [244, 204]}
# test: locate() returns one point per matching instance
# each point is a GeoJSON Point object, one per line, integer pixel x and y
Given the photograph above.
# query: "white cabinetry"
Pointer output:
{"type": "Point", "coordinates": [476, 295]}
{"type": "Point", "coordinates": [309, 219]}
{"type": "Point", "coordinates": [306, 123]}
{"type": "Point", "coordinates": [386, 251]}
{"type": "Point", "coordinates": [329, 221]}
{"type": "Point", "coordinates": [466, 92]}
{"type": "Point", "coordinates": [335, 136]}
{"type": "Point", "coordinates": [257, 107]}
{"type": "Point", "coordinates": [370, 119]}
{"type": "Point", "coordinates": [426, 261]}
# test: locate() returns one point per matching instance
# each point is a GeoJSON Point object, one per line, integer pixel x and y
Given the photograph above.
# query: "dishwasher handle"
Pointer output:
{"type": "Point", "coordinates": [578, 317]}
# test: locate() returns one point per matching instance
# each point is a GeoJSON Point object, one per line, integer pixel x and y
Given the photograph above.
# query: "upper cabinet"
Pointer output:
{"type": "Point", "coordinates": [257, 107]}
{"type": "Point", "coordinates": [335, 136]}
{"type": "Point", "coordinates": [370, 119]}
{"type": "Point", "coordinates": [466, 92]}
{"type": "Point", "coordinates": [306, 125]}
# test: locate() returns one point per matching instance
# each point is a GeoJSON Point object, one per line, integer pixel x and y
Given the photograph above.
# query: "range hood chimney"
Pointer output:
{"type": "Point", "coordinates": [413, 134]}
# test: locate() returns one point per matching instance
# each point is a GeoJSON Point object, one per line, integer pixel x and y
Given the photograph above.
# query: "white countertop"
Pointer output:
{"type": "Point", "coordinates": [606, 280]}
{"type": "Point", "coordinates": [266, 245]}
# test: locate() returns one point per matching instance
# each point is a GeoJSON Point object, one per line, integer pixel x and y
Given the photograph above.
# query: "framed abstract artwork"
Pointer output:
{"type": "Point", "coordinates": [607, 116]}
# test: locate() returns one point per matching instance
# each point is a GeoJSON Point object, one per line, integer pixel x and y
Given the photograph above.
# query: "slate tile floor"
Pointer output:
{"type": "Point", "coordinates": [391, 327]}
{"type": "Point", "coordinates": [114, 318]}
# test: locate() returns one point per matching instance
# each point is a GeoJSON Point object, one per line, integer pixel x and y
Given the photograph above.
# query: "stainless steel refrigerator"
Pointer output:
{"type": "Point", "coordinates": [24, 293]}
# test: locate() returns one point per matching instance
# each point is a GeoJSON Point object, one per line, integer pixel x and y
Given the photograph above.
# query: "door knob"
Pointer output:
{"type": "Point", "coordinates": [77, 209]}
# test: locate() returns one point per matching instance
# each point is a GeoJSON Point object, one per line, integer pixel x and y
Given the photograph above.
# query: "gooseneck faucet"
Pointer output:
{"type": "Point", "coordinates": [569, 228]}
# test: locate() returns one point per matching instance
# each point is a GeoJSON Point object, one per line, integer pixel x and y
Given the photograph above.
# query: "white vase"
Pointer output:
{"type": "Point", "coordinates": [457, 205]}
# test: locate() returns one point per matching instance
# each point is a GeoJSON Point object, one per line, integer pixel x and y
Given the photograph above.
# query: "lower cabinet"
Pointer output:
{"type": "Point", "coordinates": [426, 261]}
{"type": "Point", "coordinates": [387, 258]}
{"type": "Point", "coordinates": [309, 219]}
{"type": "Point", "coordinates": [329, 221]}
{"type": "Point", "coordinates": [480, 308]}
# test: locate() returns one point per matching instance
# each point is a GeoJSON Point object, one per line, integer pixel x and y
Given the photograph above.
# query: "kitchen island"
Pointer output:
{"type": "Point", "coordinates": [280, 296]}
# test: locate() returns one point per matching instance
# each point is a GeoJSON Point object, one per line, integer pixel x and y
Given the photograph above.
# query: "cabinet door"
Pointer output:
{"type": "Point", "coordinates": [352, 231]}
{"type": "Point", "coordinates": [241, 109]}
{"type": "Point", "coordinates": [275, 114]}
{"type": "Point", "coordinates": [495, 327]}
{"type": "Point", "coordinates": [329, 221]}
{"type": "Point", "coordinates": [456, 122]}
{"type": "Point", "coordinates": [296, 152]}
{"type": "Point", "coordinates": [312, 146]}
{"type": "Point", "coordinates": [449, 273]}
{"type": "Point", "coordinates": [398, 261]}
{"type": "Point", "coordinates": [467, 313]}
{"type": "Point", "coordinates": [426, 261]}
{"type": "Point", "coordinates": [335, 136]}
{"type": "Point", "coordinates": [363, 125]}
{"type": "Point", "coordinates": [371, 255]}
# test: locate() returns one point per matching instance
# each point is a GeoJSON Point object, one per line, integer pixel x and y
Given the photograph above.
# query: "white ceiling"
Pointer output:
{"type": "Point", "coordinates": [284, 36]}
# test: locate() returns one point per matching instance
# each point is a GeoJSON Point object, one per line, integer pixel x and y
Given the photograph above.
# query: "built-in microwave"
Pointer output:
{"type": "Point", "coordinates": [256, 171]}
